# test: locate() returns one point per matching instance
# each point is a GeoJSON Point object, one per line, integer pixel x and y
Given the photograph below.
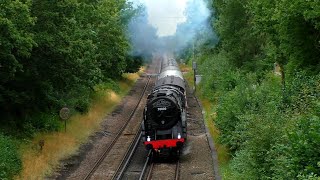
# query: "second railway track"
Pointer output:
{"type": "Point", "coordinates": [113, 158]}
{"type": "Point", "coordinates": [119, 142]}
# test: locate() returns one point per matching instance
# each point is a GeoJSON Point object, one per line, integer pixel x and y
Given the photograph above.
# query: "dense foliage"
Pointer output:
{"type": "Point", "coordinates": [9, 158]}
{"type": "Point", "coordinates": [53, 54]}
{"type": "Point", "coordinates": [269, 121]}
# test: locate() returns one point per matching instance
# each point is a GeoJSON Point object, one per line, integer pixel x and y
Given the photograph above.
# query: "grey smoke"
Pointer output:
{"type": "Point", "coordinates": [143, 36]}
{"type": "Point", "coordinates": [195, 30]}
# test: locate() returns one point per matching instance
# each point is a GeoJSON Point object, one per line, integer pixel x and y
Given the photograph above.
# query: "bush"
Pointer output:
{"type": "Point", "coordinates": [270, 135]}
{"type": "Point", "coordinates": [304, 143]}
{"type": "Point", "coordinates": [76, 100]}
{"type": "Point", "coordinates": [297, 156]}
{"type": "Point", "coordinates": [302, 92]}
{"type": "Point", "coordinates": [108, 84]}
{"type": "Point", "coordinates": [41, 122]}
{"type": "Point", "coordinates": [133, 63]}
{"type": "Point", "coordinates": [218, 76]}
{"type": "Point", "coordinates": [10, 162]}
{"type": "Point", "coordinates": [82, 105]}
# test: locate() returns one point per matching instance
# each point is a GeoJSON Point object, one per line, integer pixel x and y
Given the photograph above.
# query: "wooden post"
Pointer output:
{"type": "Point", "coordinates": [194, 67]}
{"type": "Point", "coordinates": [41, 144]}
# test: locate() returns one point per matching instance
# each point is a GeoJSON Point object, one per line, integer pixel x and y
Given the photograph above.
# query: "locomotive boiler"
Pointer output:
{"type": "Point", "coordinates": [164, 126]}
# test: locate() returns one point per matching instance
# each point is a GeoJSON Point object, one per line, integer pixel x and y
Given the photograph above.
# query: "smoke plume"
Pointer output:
{"type": "Point", "coordinates": [192, 27]}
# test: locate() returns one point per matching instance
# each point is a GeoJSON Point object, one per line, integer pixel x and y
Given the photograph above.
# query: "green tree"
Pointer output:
{"type": "Point", "coordinates": [16, 43]}
{"type": "Point", "coordinates": [53, 53]}
{"type": "Point", "coordinates": [270, 130]}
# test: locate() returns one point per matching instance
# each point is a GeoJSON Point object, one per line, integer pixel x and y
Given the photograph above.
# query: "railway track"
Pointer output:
{"type": "Point", "coordinates": [126, 160]}
{"type": "Point", "coordinates": [160, 170]}
{"type": "Point", "coordinates": [150, 169]}
{"type": "Point", "coordinates": [117, 136]}
{"type": "Point", "coordinates": [119, 143]}
{"type": "Point", "coordinates": [154, 170]}
{"type": "Point", "coordinates": [130, 152]}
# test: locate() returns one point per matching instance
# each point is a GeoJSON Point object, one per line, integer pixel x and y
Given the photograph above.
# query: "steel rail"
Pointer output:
{"type": "Point", "coordinates": [109, 147]}
{"type": "Point", "coordinates": [145, 165]}
{"type": "Point", "coordinates": [149, 175]}
{"type": "Point", "coordinates": [132, 148]}
{"type": "Point", "coordinates": [177, 174]}
{"type": "Point", "coordinates": [128, 156]}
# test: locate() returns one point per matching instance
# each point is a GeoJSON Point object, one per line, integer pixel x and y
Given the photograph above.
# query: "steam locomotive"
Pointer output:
{"type": "Point", "coordinates": [164, 126]}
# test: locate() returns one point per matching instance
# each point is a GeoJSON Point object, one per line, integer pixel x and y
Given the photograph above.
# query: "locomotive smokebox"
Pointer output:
{"type": "Point", "coordinates": [163, 112]}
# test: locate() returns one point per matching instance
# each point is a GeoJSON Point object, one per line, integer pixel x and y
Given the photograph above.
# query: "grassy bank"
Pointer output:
{"type": "Point", "coordinates": [59, 145]}
{"type": "Point", "coordinates": [210, 117]}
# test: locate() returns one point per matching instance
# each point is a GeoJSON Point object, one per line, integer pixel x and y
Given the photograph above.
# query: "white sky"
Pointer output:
{"type": "Point", "coordinates": [165, 15]}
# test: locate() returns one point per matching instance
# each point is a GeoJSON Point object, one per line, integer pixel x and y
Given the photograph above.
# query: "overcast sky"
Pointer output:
{"type": "Point", "coordinates": [165, 15]}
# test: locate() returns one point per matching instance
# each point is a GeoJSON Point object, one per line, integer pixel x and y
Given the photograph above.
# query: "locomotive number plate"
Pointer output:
{"type": "Point", "coordinates": [162, 108]}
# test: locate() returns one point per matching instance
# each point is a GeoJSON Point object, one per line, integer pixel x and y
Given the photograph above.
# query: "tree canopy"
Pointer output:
{"type": "Point", "coordinates": [53, 53]}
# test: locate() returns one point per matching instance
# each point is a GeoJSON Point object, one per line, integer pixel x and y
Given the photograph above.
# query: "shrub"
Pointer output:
{"type": "Point", "coordinates": [42, 122]}
{"type": "Point", "coordinates": [297, 156]}
{"type": "Point", "coordinates": [218, 76]}
{"type": "Point", "coordinates": [272, 138]}
{"type": "Point", "coordinates": [302, 92]}
{"type": "Point", "coordinates": [10, 162]}
{"type": "Point", "coordinates": [303, 148]}
{"type": "Point", "coordinates": [108, 84]}
{"type": "Point", "coordinates": [82, 105]}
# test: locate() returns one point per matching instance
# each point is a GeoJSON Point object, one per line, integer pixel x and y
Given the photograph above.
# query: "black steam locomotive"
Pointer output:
{"type": "Point", "coordinates": [164, 126]}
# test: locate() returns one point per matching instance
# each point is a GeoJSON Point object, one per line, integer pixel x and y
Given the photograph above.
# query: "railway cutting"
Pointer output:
{"type": "Point", "coordinates": [122, 149]}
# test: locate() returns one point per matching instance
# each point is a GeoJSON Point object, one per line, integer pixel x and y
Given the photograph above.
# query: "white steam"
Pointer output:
{"type": "Point", "coordinates": [170, 26]}
{"type": "Point", "coordinates": [165, 15]}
